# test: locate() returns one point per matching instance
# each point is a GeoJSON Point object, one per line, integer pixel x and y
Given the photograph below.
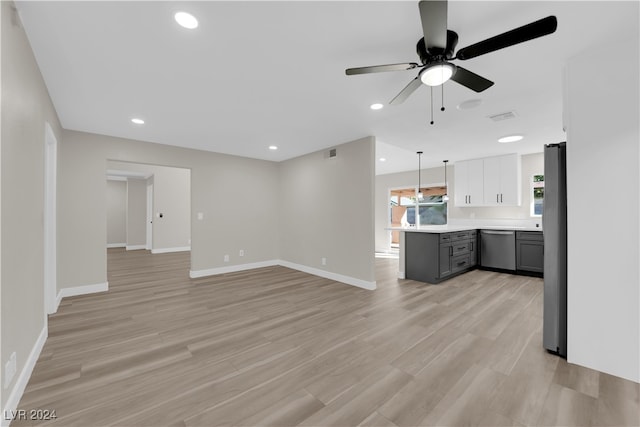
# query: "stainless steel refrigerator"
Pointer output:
{"type": "Point", "coordinates": [554, 222]}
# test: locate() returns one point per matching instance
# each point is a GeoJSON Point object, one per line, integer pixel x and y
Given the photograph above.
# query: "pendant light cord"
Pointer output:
{"type": "Point", "coordinates": [431, 104]}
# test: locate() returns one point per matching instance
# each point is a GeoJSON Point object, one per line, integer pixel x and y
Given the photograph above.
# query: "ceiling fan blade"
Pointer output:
{"type": "Point", "coordinates": [408, 90]}
{"type": "Point", "coordinates": [471, 80]}
{"type": "Point", "coordinates": [381, 68]}
{"type": "Point", "coordinates": [527, 32]}
{"type": "Point", "coordinates": [433, 14]}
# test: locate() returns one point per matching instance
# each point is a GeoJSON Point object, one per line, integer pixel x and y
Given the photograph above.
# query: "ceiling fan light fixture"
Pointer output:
{"type": "Point", "coordinates": [437, 73]}
{"type": "Point", "coordinates": [376, 106]}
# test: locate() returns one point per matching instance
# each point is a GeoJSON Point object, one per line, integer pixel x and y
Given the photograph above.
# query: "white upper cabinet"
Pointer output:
{"type": "Point", "coordinates": [469, 190]}
{"type": "Point", "coordinates": [492, 181]}
{"type": "Point", "coordinates": [502, 180]}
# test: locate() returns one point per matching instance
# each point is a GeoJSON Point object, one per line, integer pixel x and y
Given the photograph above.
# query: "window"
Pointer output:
{"type": "Point", "coordinates": [431, 209]}
{"type": "Point", "coordinates": [537, 195]}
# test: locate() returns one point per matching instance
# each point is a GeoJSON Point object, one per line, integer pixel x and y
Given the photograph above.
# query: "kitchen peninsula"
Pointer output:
{"type": "Point", "coordinates": [433, 254]}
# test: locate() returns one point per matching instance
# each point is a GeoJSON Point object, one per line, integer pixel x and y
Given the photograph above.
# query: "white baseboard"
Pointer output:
{"type": "Point", "coordinates": [310, 270]}
{"type": "Point", "coordinates": [329, 275]}
{"type": "Point", "coordinates": [23, 378]}
{"type": "Point", "coordinates": [194, 274]}
{"type": "Point", "coordinates": [116, 245]}
{"type": "Point", "coordinates": [81, 290]}
{"type": "Point", "coordinates": [135, 247]}
{"type": "Point", "coordinates": [167, 250]}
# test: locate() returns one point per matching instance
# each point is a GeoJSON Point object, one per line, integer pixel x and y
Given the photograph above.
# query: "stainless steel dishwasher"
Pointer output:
{"type": "Point", "coordinates": [498, 249]}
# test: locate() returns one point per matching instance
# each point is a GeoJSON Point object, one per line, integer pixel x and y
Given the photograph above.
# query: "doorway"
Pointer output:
{"type": "Point", "coordinates": [401, 211]}
{"type": "Point", "coordinates": [157, 206]}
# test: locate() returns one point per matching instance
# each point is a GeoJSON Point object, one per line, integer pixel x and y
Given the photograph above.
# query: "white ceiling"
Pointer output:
{"type": "Point", "coordinates": [255, 74]}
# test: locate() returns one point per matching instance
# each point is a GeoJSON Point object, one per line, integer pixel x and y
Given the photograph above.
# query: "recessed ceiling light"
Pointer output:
{"type": "Point", "coordinates": [186, 20]}
{"type": "Point", "coordinates": [382, 159]}
{"type": "Point", "coordinates": [376, 106]}
{"type": "Point", "coordinates": [469, 104]}
{"type": "Point", "coordinates": [273, 147]}
{"type": "Point", "coordinates": [510, 138]}
{"type": "Point", "coordinates": [137, 121]}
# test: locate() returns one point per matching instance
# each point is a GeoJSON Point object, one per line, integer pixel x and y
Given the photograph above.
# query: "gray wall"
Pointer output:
{"type": "Point", "coordinates": [116, 213]}
{"type": "Point", "coordinates": [136, 212]}
{"type": "Point", "coordinates": [531, 164]}
{"type": "Point", "coordinates": [26, 107]}
{"type": "Point", "coordinates": [602, 209]}
{"type": "Point", "coordinates": [327, 210]}
{"type": "Point", "coordinates": [226, 227]}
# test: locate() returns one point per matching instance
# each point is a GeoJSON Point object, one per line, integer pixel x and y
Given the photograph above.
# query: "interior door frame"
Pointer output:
{"type": "Point", "coordinates": [149, 227]}
{"type": "Point", "coordinates": [50, 219]}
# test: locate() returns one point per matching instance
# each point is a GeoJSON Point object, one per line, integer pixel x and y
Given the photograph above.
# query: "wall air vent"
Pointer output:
{"type": "Point", "coordinates": [333, 153]}
{"type": "Point", "coordinates": [503, 116]}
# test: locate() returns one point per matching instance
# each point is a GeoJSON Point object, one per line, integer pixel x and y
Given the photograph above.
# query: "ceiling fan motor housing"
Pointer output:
{"type": "Point", "coordinates": [436, 54]}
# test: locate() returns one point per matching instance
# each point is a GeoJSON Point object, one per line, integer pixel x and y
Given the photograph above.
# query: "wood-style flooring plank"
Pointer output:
{"type": "Point", "coordinates": [278, 347]}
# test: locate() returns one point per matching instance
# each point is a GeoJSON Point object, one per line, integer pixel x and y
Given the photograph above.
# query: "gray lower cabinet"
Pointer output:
{"type": "Point", "coordinates": [530, 252]}
{"type": "Point", "coordinates": [434, 257]}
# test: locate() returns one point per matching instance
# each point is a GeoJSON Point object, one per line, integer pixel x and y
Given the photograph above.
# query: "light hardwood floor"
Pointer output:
{"type": "Point", "coordinates": [278, 347]}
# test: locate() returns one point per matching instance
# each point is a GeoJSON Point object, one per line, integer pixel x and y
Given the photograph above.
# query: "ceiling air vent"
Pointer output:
{"type": "Point", "coordinates": [503, 116]}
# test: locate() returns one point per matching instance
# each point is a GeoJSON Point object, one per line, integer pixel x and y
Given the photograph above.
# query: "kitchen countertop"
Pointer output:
{"type": "Point", "coordinates": [454, 228]}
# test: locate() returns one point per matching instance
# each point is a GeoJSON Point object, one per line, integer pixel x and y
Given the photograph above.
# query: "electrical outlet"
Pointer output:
{"type": "Point", "coordinates": [324, 261]}
{"type": "Point", "coordinates": [241, 252]}
{"type": "Point", "coordinates": [226, 258]}
{"type": "Point", "coordinates": [9, 370]}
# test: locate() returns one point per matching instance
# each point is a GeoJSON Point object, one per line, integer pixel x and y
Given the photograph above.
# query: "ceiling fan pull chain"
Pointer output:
{"type": "Point", "coordinates": [431, 104]}
{"type": "Point", "coordinates": [442, 86]}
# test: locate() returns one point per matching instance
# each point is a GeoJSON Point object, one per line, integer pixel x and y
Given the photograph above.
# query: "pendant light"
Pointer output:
{"type": "Point", "coordinates": [419, 153]}
{"type": "Point", "coordinates": [445, 198]}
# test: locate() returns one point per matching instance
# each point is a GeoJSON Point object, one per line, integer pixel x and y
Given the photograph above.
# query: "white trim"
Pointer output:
{"type": "Point", "coordinates": [116, 245]}
{"type": "Point", "coordinates": [21, 383]}
{"type": "Point", "coordinates": [50, 233]}
{"type": "Point", "coordinates": [116, 173]}
{"type": "Point", "coordinates": [364, 284]}
{"type": "Point", "coordinates": [194, 274]}
{"type": "Point", "coordinates": [81, 290]}
{"type": "Point", "coordinates": [135, 247]}
{"type": "Point", "coordinates": [309, 270]}
{"type": "Point", "coordinates": [166, 250]}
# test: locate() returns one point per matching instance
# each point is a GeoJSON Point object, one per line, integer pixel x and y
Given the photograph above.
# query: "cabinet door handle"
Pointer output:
{"type": "Point", "coordinates": [461, 247]}
{"type": "Point", "coordinates": [500, 197]}
{"type": "Point", "coordinates": [497, 200]}
{"type": "Point", "coordinates": [471, 246]}
{"type": "Point", "coordinates": [450, 250]}
{"type": "Point", "coordinates": [462, 263]}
